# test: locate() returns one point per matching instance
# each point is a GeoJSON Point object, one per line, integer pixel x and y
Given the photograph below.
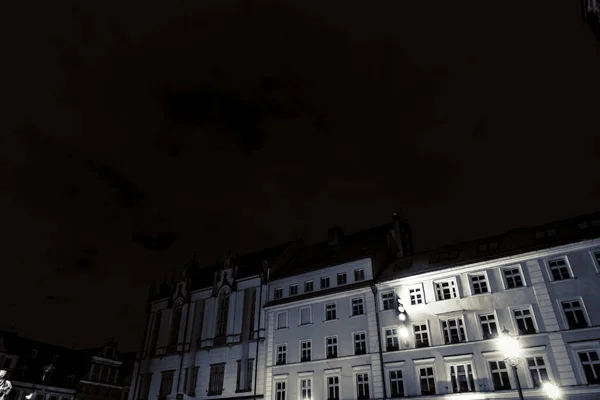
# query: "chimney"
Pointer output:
{"type": "Point", "coordinates": [402, 235]}
{"type": "Point", "coordinates": [334, 235]}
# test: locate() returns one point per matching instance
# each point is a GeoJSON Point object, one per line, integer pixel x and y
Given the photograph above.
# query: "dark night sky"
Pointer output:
{"type": "Point", "coordinates": [138, 133]}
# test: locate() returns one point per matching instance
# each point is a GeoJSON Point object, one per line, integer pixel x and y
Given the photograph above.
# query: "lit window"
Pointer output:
{"type": "Point", "coordinates": [391, 339]}
{"type": "Point", "coordinates": [427, 381]}
{"type": "Point", "coordinates": [559, 269]}
{"type": "Point", "coordinates": [360, 343]}
{"type": "Point", "coordinates": [358, 306]}
{"type": "Point", "coordinates": [499, 375]}
{"type": "Point", "coordinates": [293, 290]}
{"type": "Point", "coordinates": [453, 330]}
{"type": "Point", "coordinates": [308, 286]}
{"type": "Point", "coordinates": [330, 312]}
{"type": "Point", "coordinates": [362, 386]}
{"type": "Point", "coordinates": [333, 387]}
{"type": "Point", "coordinates": [396, 383]}
{"type": "Point", "coordinates": [416, 295]}
{"type": "Point", "coordinates": [461, 376]}
{"type": "Point", "coordinates": [513, 278]}
{"type": "Point", "coordinates": [524, 320]}
{"type": "Point", "coordinates": [574, 313]}
{"type": "Point", "coordinates": [306, 389]}
{"type": "Point", "coordinates": [281, 354]}
{"type": "Point", "coordinates": [421, 335]}
{"type": "Point", "coordinates": [342, 279]}
{"type": "Point", "coordinates": [359, 275]}
{"type": "Point", "coordinates": [332, 346]}
{"type": "Point", "coordinates": [489, 326]}
{"type": "Point", "coordinates": [591, 366]}
{"type": "Point", "coordinates": [278, 293]}
{"type": "Point", "coordinates": [479, 283]}
{"type": "Point", "coordinates": [305, 350]}
{"type": "Point", "coordinates": [324, 282]}
{"type": "Point", "coordinates": [388, 300]}
{"type": "Point", "coordinates": [445, 290]}
{"type": "Point", "coordinates": [537, 369]}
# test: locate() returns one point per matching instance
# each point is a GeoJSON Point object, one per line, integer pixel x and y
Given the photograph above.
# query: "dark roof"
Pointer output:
{"type": "Point", "coordinates": [513, 242]}
{"type": "Point", "coordinates": [351, 247]}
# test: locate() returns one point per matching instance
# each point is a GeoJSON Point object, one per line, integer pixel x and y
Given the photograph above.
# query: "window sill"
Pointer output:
{"type": "Point", "coordinates": [564, 280]}
{"type": "Point", "coordinates": [309, 323]}
{"type": "Point", "coordinates": [244, 391]}
{"type": "Point", "coordinates": [282, 329]}
{"type": "Point", "coordinates": [214, 393]}
{"type": "Point", "coordinates": [358, 315]}
{"type": "Point", "coordinates": [515, 288]}
{"type": "Point", "coordinates": [331, 320]}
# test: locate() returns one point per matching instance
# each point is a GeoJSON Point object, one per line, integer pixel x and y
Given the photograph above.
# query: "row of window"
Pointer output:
{"type": "Point", "coordinates": [461, 378]}
{"type": "Point", "coordinates": [342, 279]}
{"type": "Point", "coordinates": [330, 313]}
{"type": "Point", "coordinates": [331, 348]}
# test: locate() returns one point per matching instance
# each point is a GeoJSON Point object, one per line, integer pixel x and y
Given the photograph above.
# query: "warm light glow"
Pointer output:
{"type": "Point", "coordinates": [403, 332]}
{"type": "Point", "coordinates": [551, 390]}
{"type": "Point", "coordinates": [509, 346]}
{"type": "Point", "coordinates": [29, 396]}
{"type": "Point", "coordinates": [402, 317]}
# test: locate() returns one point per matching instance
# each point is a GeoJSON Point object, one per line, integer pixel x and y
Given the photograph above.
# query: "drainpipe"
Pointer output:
{"type": "Point", "coordinates": [187, 320]}
{"type": "Point", "coordinates": [258, 333]}
{"type": "Point", "coordinates": [374, 290]}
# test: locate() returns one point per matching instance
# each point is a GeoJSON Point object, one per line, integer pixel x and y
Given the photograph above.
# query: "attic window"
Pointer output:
{"type": "Point", "coordinates": [445, 255]}
{"type": "Point", "coordinates": [489, 246]}
{"type": "Point", "coordinates": [545, 233]}
{"type": "Point", "coordinates": [587, 224]}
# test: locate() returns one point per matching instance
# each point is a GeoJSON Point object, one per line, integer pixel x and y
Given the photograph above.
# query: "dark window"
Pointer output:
{"type": "Point", "coordinates": [166, 384]}
{"type": "Point", "coordinates": [574, 314]}
{"type": "Point", "coordinates": [359, 275]}
{"type": "Point", "coordinates": [427, 381]}
{"type": "Point", "coordinates": [513, 278]}
{"type": "Point", "coordinates": [358, 306]}
{"type": "Point", "coordinates": [293, 290]}
{"type": "Point", "coordinates": [559, 269]}
{"type": "Point", "coordinates": [278, 293]}
{"type": "Point", "coordinates": [591, 366]}
{"type": "Point", "coordinates": [308, 286]}
{"type": "Point", "coordinates": [241, 386]}
{"type": "Point", "coordinates": [537, 369]}
{"type": "Point", "coordinates": [217, 375]}
{"type": "Point", "coordinates": [396, 383]}
{"type": "Point", "coordinates": [500, 375]}
{"type": "Point", "coordinates": [342, 279]}
{"type": "Point", "coordinates": [324, 282]}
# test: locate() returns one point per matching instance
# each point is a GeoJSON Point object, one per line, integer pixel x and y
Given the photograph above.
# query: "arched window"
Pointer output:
{"type": "Point", "coordinates": [223, 312]}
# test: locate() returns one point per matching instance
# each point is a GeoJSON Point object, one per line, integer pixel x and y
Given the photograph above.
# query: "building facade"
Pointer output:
{"type": "Point", "coordinates": [363, 317]}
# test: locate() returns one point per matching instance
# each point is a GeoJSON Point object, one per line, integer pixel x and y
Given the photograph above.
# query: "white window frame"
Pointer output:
{"type": "Point", "coordinates": [362, 299]}
{"type": "Point", "coordinates": [303, 376]}
{"type": "Point", "coordinates": [364, 276]}
{"type": "Point", "coordinates": [310, 315]}
{"type": "Point", "coordinates": [287, 320]}
{"type": "Point", "coordinates": [453, 288]}
{"type": "Point", "coordinates": [290, 289]}
{"type": "Point", "coordinates": [453, 317]}
{"type": "Point", "coordinates": [583, 347]}
{"type": "Point", "coordinates": [337, 316]}
{"type": "Point", "coordinates": [354, 342]}
{"type": "Point", "coordinates": [337, 346]}
{"type": "Point", "coordinates": [416, 286]}
{"type": "Point", "coordinates": [532, 353]}
{"type": "Point", "coordinates": [397, 336]}
{"type": "Point", "coordinates": [394, 366]}
{"type": "Point", "coordinates": [313, 286]}
{"type": "Point", "coordinates": [278, 290]}
{"type": "Point", "coordinates": [333, 372]}
{"type": "Point", "coordinates": [359, 371]}
{"type": "Point", "coordinates": [414, 335]}
{"type": "Point", "coordinates": [498, 327]}
{"type": "Point", "coordinates": [487, 282]}
{"type": "Point", "coordinates": [321, 282]}
{"type": "Point", "coordinates": [280, 379]}
{"type": "Point", "coordinates": [595, 260]}
{"type": "Point", "coordinates": [454, 361]}
{"type": "Point", "coordinates": [503, 277]}
{"type": "Point", "coordinates": [381, 302]}
{"type": "Point", "coordinates": [529, 307]}
{"type": "Point", "coordinates": [511, 381]}
{"type": "Point", "coordinates": [425, 363]}
{"type": "Point", "coordinates": [586, 315]}
{"type": "Point", "coordinates": [277, 353]}
{"type": "Point", "coordinates": [547, 262]}
{"type": "Point", "coordinates": [496, 355]}
{"type": "Point", "coordinates": [311, 349]}
{"type": "Point", "coordinates": [337, 280]}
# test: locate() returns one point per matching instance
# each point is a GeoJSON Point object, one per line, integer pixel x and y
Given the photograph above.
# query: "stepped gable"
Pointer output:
{"type": "Point", "coordinates": [513, 242]}
{"type": "Point", "coordinates": [338, 249]}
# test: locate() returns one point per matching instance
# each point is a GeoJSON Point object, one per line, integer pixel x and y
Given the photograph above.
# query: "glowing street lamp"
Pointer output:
{"type": "Point", "coordinates": [552, 391]}
{"type": "Point", "coordinates": [401, 310]}
{"type": "Point", "coordinates": [511, 349]}
{"type": "Point", "coordinates": [29, 396]}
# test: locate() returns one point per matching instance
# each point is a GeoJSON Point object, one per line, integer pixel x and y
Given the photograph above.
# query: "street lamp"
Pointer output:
{"type": "Point", "coordinates": [552, 391]}
{"type": "Point", "coordinates": [511, 348]}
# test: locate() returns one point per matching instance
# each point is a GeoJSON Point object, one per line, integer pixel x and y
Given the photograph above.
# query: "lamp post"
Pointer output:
{"type": "Point", "coordinates": [511, 349]}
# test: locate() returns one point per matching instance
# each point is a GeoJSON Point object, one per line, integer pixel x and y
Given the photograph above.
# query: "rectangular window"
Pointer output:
{"type": "Point", "coordinates": [479, 283]}
{"type": "Point", "coordinates": [489, 246]}
{"type": "Point", "coordinates": [306, 389]}
{"type": "Point", "coordinates": [358, 306]}
{"type": "Point", "coordinates": [332, 346]}
{"type": "Point", "coordinates": [489, 326]}
{"type": "Point", "coordinates": [279, 390]}
{"type": "Point", "coordinates": [282, 320]}
{"type": "Point", "coordinates": [217, 375]}
{"type": "Point", "coordinates": [513, 278]}
{"type": "Point", "coordinates": [573, 310]}
{"type": "Point", "coordinates": [330, 312]}
{"type": "Point", "coordinates": [391, 339]}
{"type": "Point", "coordinates": [308, 286]}
{"type": "Point", "coordinates": [537, 369]}
{"type": "Point", "coordinates": [499, 375]}
{"type": "Point", "coordinates": [281, 354]}
{"type": "Point", "coordinates": [559, 269]}
{"type": "Point", "coordinates": [342, 279]}
{"type": "Point", "coordinates": [278, 293]}
{"type": "Point", "coordinates": [244, 386]}
{"type": "Point", "coordinates": [166, 384]}
{"type": "Point", "coordinates": [324, 282]}
{"type": "Point", "coordinates": [461, 376]}
{"type": "Point", "coordinates": [421, 335]}
{"type": "Point", "coordinates": [416, 296]}
{"type": "Point", "coordinates": [360, 343]}
{"type": "Point", "coordinates": [293, 290]}
{"type": "Point", "coordinates": [597, 257]}
{"type": "Point", "coordinates": [387, 300]}
{"type": "Point", "coordinates": [305, 350]}
{"type": "Point", "coordinates": [591, 366]}
{"type": "Point", "coordinates": [305, 315]}
{"type": "Point", "coordinates": [333, 387]}
{"type": "Point", "coordinates": [359, 275]}
{"type": "Point", "coordinates": [194, 381]}
{"type": "Point", "coordinates": [453, 330]}
{"type": "Point", "coordinates": [396, 383]}
{"type": "Point", "coordinates": [524, 321]}
{"type": "Point", "coordinates": [445, 290]}
{"type": "Point", "coordinates": [362, 386]}
{"type": "Point", "coordinates": [427, 381]}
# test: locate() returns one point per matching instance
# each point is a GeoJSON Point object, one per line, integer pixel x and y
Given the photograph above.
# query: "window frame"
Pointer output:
{"type": "Point", "coordinates": [426, 363]}
{"type": "Point", "coordinates": [311, 349]}
{"type": "Point", "coordinates": [310, 316]}
{"type": "Point", "coordinates": [536, 354]}
{"type": "Point", "coordinates": [287, 320]}
{"type": "Point", "coordinates": [583, 347]}
{"type": "Point", "coordinates": [518, 266]}
{"type": "Point", "coordinates": [391, 367]}
{"type": "Point", "coordinates": [511, 381]}
{"type": "Point", "coordinates": [362, 299]}
{"type": "Point", "coordinates": [382, 302]}
{"type": "Point", "coordinates": [547, 262]}
{"type": "Point", "coordinates": [480, 327]}
{"type": "Point", "coordinates": [280, 379]}
{"type": "Point", "coordinates": [359, 271]}
{"type": "Point", "coordinates": [563, 314]}
{"type": "Point", "coordinates": [595, 260]}
{"type": "Point", "coordinates": [303, 376]}
{"type": "Point", "coordinates": [325, 279]}
{"type": "Point", "coordinates": [312, 286]}
{"type": "Point", "coordinates": [420, 287]}
{"type": "Point", "coordinates": [449, 317]}
{"type": "Point", "coordinates": [337, 317]}
{"type": "Point", "coordinates": [343, 275]}
{"type": "Point", "coordinates": [276, 291]}
{"type": "Point", "coordinates": [337, 346]}
{"type": "Point", "coordinates": [453, 282]}
{"type": "Point", "coordinates": [454, 361]}
{"type": "Point", "coordinates": [356, 371]}
{"type": "Point", "coordinates": [414, 334]}
{"type": "Point", "coordinates": [277, 353]}
{"type": "Point", "coordinates": [364, 332]}
{"type": "Point", "coordinates": [513, 318]}
{"type": "Point", "coordinates": [385, 337]}
{"type": "Point", "coordinates": [292, 285]}
{"type": "Point", "coordinates": [472, 286]}
{"type": "Point", "coordinates": [333, 372]}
